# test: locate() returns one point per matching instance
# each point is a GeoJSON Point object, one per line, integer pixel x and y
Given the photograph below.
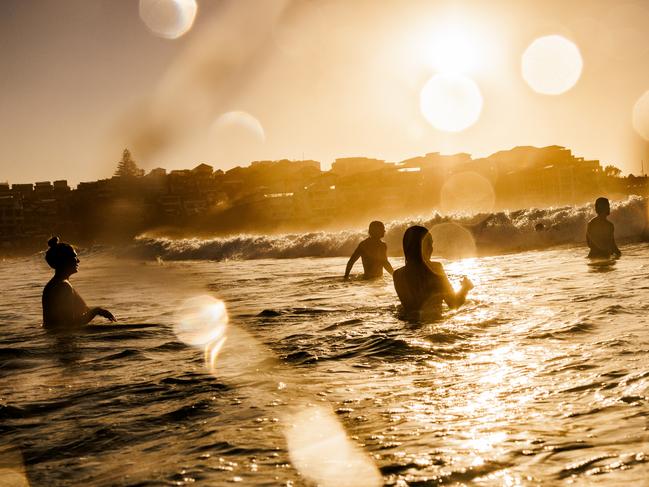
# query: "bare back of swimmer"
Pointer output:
{"type": "Point", "coordinates": [600, 232]}
{"type": "Point", "coordinates": [373, 252]}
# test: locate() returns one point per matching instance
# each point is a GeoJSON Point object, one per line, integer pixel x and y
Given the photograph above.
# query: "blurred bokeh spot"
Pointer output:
{"type": "Point", "coordinates": [552, 65]}
{"type": "Point", "coordinates": [169, 19]}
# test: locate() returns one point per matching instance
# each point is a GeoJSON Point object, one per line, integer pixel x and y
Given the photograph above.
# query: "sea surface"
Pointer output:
{"type": "Point", "coordinates": [542, 378]}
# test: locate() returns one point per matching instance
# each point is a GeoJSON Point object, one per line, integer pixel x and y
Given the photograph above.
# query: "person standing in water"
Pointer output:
{"type": "Point", "coordinates": [373, 253]}
{"type": "Point", "coordinates": [599, 233]}
{"type": "Point", "coordinates": [63, 308]}
{"type": "Point", "coordinates": [422, 284]}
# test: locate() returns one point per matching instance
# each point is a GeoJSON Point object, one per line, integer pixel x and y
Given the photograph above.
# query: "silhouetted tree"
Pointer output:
{"type": "Point", "coordinates": [612, 171]}
{"type": "Point", "coordinates": [127, 168]}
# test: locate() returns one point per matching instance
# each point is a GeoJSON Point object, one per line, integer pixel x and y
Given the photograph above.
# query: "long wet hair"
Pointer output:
{"type": "Point", "coordinates": [413, 244]}
{"type": "Point", "coordinates": [58, 253]}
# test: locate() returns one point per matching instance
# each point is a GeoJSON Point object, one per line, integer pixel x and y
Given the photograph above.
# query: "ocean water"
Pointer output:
{"type": "Point", "coordinates": [542, 378]}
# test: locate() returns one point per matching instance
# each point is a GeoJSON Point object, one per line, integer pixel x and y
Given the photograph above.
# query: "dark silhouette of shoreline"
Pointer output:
{"type": "Point", "coordinates": [278, 196]}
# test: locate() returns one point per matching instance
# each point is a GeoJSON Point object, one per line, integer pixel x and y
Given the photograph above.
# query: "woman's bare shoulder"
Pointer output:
{"type": "Point", "coordinates": [56, 286]}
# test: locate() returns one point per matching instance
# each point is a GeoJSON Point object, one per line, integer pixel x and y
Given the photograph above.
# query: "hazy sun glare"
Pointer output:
{"type": "Point", "coordinates": [454, 51]}
{"type": "Point", "coordinates": [551, 65]}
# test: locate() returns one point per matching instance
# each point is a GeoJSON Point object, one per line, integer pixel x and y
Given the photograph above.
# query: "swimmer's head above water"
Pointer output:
{"type": "Point", "coordinates": [62, 257]}
{"type": "Point", "coordinates": [377, 229]}
{"type": "Point", "coordinates": [602, 206]}
{"type": "Point", "coordinates": [417, 244]}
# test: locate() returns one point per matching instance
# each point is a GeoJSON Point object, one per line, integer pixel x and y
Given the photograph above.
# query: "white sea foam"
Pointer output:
{"type": "Point", "coordinates": [493, 233]}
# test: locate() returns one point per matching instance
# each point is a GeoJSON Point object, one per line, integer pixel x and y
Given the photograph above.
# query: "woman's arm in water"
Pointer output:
{"type": "Point", "coordinates": [84, 314]}
{"type": "Point", "coordinates": [453, 299]}
{"type": "Point", "coordinates": [90, 313]}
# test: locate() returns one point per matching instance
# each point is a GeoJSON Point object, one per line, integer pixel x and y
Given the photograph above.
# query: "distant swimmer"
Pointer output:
{"type": "Point", "coordinates": [373, 253]}
{"type": "Point", "coordinates": [421, 284]}
{"type": "Point", "coordinates": [599, 233]}
{"type": "Point", "coordinates": [63, 308]}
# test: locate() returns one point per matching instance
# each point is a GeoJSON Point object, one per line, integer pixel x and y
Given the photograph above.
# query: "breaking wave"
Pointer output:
{"type": "Point", "coordinates": [455, 236]}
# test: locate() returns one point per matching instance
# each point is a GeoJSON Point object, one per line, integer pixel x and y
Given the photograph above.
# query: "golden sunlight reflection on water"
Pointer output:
{"type": "Point", "coordinates": [551, 65]}
{"type": "Point", "coordinates": [317, 442]}
{"type": "Point", "coordinates": [169, 19]}
{"type": "Point", "coordinates": [12, 468]}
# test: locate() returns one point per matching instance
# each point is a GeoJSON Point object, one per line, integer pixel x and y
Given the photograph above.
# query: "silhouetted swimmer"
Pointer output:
{"type": "Point", "coordinates": [599, 233]}
{"type": "Point", "coordinates": [63, 308]}
{"type": "Point", "coordinates": [373, 253]}
{"type": "Point", "coordinates": [421, 284]}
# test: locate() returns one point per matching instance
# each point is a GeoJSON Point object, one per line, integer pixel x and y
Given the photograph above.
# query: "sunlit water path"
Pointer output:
{"type": "Point", "coordinates": [541, 378]}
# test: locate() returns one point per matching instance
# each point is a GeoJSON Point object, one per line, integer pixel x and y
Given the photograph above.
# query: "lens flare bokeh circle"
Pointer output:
{"type": "Point", "coordinates": [640, 117]}
{"type": "Point", "coordinates": [323, 454]}
{"type": "Point", "coordinates": [169, 19]}
{"type": "Point", "coordinates": [201, 320]}
{"type": "Point", "coordinates": [240, 127]}
{"type": "Point", "coordinates": [467, 191]}
{"type": "Point", "coordinates": [551, 65]}
{"type": "Point", "coordinates": [451, 102]}
{"type": "Point", "coordinates": [452, 241]}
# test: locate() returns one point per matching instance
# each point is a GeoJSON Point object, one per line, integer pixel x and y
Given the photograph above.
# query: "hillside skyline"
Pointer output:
{"type": "Point", "coordinates": [324, 166]}
{"type": "Point", "coordinates": [269, 197]}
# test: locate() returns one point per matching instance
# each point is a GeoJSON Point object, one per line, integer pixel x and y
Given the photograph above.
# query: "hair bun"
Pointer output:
{"type": "Point", "coordinates": [53, 242]}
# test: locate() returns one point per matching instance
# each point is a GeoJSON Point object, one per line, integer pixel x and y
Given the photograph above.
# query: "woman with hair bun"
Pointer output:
{"type": "Point", "coordinates": [63, 308]}
{"type": "Point", "coordinates": [422, 284]}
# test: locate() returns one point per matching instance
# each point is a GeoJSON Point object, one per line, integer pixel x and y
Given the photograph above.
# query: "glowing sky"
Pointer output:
{"type": "Point", "coordinates": [269, 79]}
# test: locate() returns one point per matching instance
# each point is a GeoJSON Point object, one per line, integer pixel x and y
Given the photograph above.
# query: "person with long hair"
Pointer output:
{"type": "Point", "coordinates": [422, 284]}
{"type": "Point", "coordinates": [63, 308]}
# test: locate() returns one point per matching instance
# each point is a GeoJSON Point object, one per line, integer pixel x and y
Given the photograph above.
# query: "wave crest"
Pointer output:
{"type": "Point", "coordinates": [483, 234]}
